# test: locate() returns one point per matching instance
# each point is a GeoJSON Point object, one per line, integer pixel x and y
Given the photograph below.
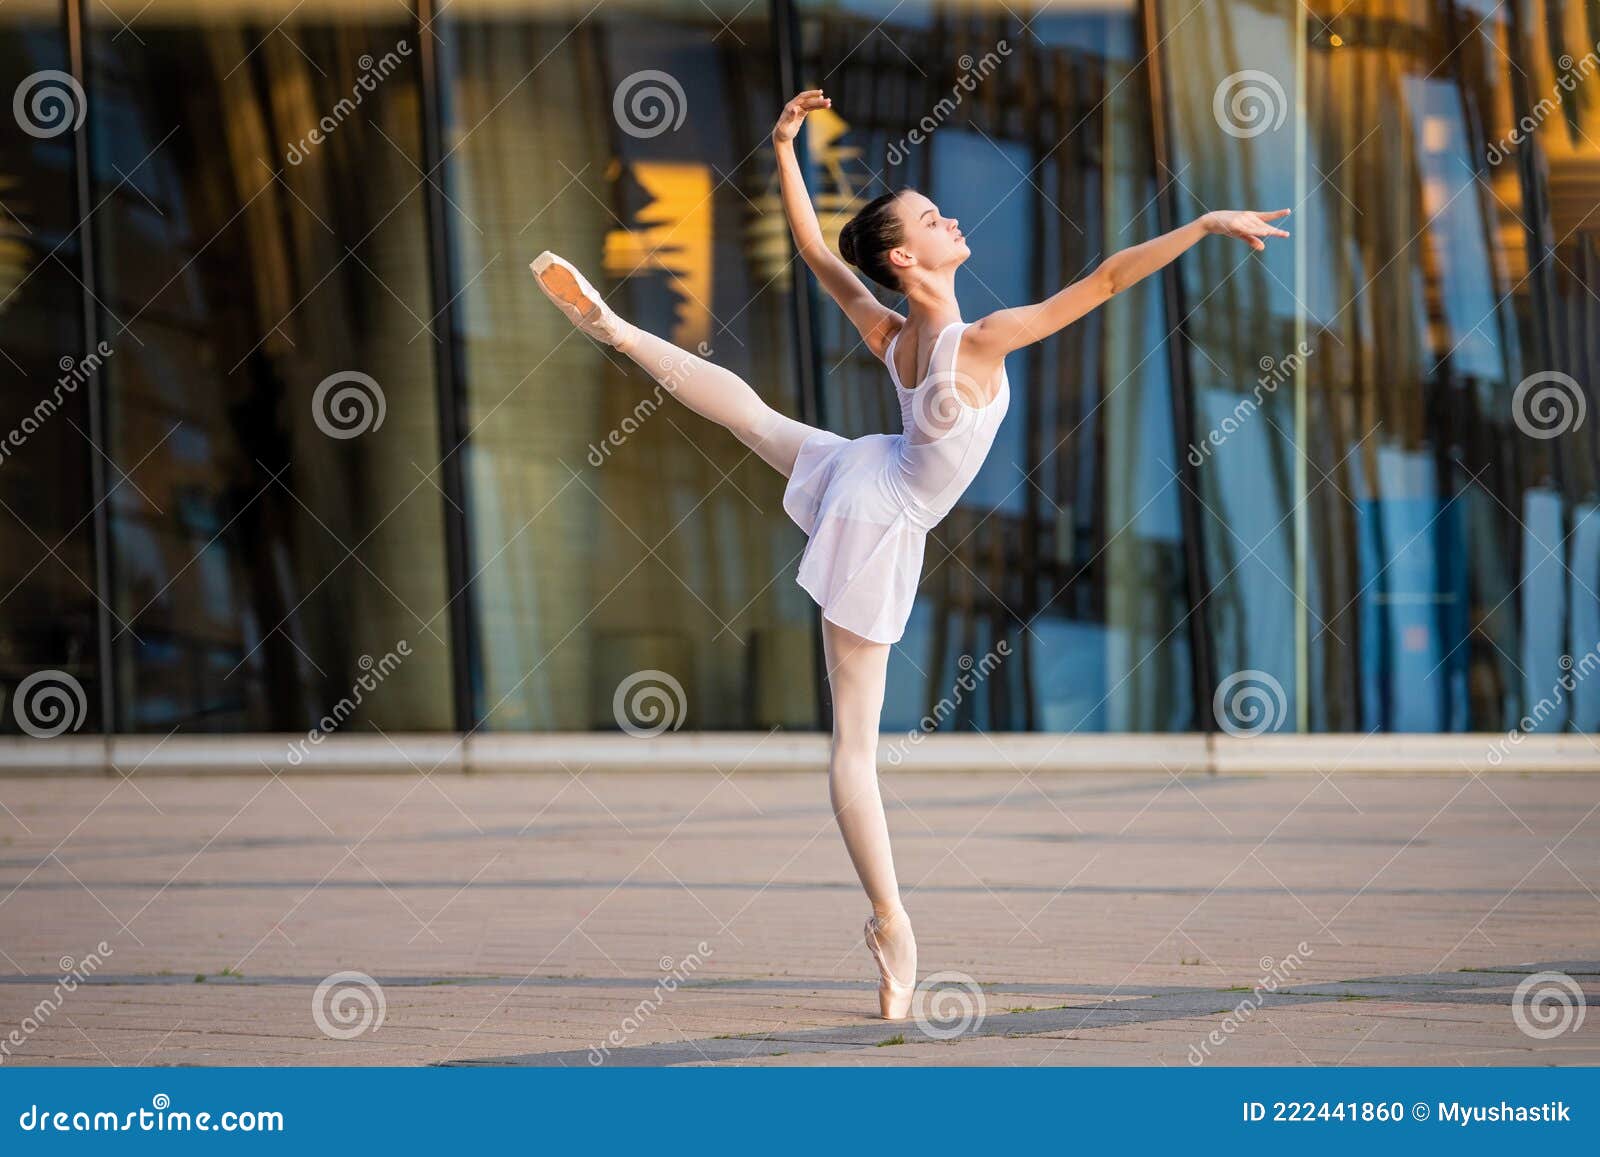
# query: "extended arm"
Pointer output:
{"type": "Point", "coordinates": [876, 322]}
{"type": "Point", "coordinates": [1010, 329]}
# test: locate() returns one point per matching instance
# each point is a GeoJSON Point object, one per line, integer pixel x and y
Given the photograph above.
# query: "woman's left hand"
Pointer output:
{"type": "Point", "coordinates": [1245, 225]}
{"type": "Point", "coordinates": [794, 115]}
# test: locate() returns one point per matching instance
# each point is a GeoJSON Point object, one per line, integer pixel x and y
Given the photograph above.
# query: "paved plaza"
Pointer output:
{"type": "Point", "coordinates": [667, 918]}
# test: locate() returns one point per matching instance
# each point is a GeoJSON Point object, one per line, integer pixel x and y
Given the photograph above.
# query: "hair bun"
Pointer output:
{"type": "Point", "coordinates": [867, 238]}
{"type": "Point", "coordinates": [847, 242]}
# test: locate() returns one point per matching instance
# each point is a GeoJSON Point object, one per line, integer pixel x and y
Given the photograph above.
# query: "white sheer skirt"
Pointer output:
{"type": "Point", "coordinates": [863, 560]}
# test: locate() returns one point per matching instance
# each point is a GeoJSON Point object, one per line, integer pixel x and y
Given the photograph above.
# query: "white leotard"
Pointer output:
{"type": "Point", "coordinates": [867, 503]}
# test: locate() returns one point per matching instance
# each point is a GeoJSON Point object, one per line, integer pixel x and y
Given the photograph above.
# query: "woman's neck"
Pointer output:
{"type": "Point", "coordinates": [931, 301]}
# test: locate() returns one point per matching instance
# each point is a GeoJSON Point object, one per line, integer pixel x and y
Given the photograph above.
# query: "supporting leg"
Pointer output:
{"type": "Point", "coordinates": [857, 670]}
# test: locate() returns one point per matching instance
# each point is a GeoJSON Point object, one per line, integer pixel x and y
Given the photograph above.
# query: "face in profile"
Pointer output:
{"type": "Point", "coordinates": [931, 240]}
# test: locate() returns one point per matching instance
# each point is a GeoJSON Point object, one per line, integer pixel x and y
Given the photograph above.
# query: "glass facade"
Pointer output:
{"type": "Point", "coordinates": [50, 616]}
{"type": "Point", "coordinates": [607, 539]}
{"type": "Point", "coordinates": [257, 561]}
{"type": "Point", "coordinates": [283, 398]}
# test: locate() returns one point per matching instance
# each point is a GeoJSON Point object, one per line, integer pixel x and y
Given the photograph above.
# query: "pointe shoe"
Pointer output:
{"type": "Point", "coordinates": [894, 997]}
{"type": "Point", "coordinates": [580, 301]}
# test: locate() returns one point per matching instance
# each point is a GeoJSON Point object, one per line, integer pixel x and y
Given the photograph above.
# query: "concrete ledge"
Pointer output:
{"type": "Point", "coordinates": [1045, 751]}
{"type": "Point", "coordinates": [729, 752]}
{"type": "Point", "coordinates": [188, 754]}
{"type": "Point", "coordinates": [1409, 754]}
{"type": "Point", "coordinates": [64, 755]}
{"type": "Point", "coordinates": [571, 752]}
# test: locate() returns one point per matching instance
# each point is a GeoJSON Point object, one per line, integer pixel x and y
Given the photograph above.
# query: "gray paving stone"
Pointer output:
{"type": "Point", "coordinates": [524, 920]}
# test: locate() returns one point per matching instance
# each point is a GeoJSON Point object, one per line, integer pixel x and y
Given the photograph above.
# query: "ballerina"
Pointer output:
{"type": "Point", "coordinates": [866, 504]}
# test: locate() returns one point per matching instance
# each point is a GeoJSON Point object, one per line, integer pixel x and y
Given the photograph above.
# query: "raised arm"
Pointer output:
{"type": "Point", "coordinates": [1008, 329]}
{"type": "Point", "coordinates": [876, 322]}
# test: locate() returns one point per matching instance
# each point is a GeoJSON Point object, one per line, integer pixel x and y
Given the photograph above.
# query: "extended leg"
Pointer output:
{"type": "Point", "coordinates": [856, 673]}
{"type": "Point", "coordinates": [724, 397]}
{"type": "Point", "coordinates": [707, 389]}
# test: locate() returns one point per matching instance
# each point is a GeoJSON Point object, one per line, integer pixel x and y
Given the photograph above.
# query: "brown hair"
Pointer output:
{"type": "Point", "coordinates": [867, 237]}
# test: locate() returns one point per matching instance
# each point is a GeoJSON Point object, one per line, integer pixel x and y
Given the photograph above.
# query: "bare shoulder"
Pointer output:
{"type": "Point", "coordinates": [978, 365]}
{"type": "Point", "coordinates": [983, 340]}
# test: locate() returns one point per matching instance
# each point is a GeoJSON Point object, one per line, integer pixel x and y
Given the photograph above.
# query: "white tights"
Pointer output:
{"type": "Point", "coordinates": [721, 395]}
{"type": "Point", "coordinates": [857, 668]}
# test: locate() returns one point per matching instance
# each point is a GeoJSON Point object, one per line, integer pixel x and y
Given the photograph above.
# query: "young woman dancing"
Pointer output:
{"type": "Point", "coordinates": [867, 504]}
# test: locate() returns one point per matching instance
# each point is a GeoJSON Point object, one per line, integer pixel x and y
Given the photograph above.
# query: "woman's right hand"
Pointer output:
{"type": "Point", "coordinates": [1246, 226]}
{"type": "Point", "coordinates": [794, 115]}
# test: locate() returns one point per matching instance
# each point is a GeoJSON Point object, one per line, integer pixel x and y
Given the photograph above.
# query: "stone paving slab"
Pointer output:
{"type": "Point", "coordinates": [545, 919]}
